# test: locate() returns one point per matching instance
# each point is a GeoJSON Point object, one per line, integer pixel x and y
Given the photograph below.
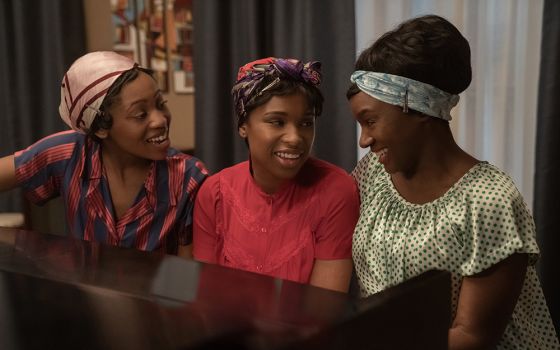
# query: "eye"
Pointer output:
{"type": "Point", "coordinates": [308, 123]}
{"type": "Point", "coordinates": [141, 115]}
{"type": "Point", "coordinates": [367, 121]}
{"type": "Point", "coordinates": [276, 122]}
{"type": "Point", "coordinates": [161, 104]}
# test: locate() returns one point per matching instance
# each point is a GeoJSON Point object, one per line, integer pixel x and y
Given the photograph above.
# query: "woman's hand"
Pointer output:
{"type": "Point", "coordinates": [185, 252]}
{"type": "Point", "coordinates": [486, 302]}
{"type": "Point", "coordinates": [7, 173]}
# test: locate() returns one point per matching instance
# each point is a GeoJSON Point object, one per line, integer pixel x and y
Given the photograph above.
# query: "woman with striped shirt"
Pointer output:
{"type": "Point", "coordinates": [120, 181]}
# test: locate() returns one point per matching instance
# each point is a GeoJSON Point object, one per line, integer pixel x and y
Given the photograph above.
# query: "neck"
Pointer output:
{"type": "Point", "coordinates": [267, 182]}
{"type": "Point", "coordinates": [123, 165]}
{"type": "Point", "coordinates": [440, 164]}
{"type": "Point", "coordinates": [269, 187]}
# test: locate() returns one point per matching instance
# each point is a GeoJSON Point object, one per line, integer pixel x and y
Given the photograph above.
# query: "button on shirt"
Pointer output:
{"type": "Point", "coordinates": [311, 217]}
{"type": "Point", "coordinates": [69, 164]}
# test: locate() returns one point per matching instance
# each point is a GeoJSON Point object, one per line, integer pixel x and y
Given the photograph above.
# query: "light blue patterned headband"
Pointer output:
{"type": "Point", "coordinates": [407, 93]}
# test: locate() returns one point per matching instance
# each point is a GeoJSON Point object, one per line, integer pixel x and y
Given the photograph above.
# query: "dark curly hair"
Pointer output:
{"type": "Point", "coordinates": [428, 49]}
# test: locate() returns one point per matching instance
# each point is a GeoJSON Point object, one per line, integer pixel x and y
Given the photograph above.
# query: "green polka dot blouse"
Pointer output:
{"type": "Point", "coordinates": [478, 222]}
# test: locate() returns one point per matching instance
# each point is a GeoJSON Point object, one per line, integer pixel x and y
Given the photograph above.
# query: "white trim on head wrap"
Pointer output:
{"type": "Point", "coordinates": [85, 85]}
{"type": "Point", "coordinates": [407, 93]}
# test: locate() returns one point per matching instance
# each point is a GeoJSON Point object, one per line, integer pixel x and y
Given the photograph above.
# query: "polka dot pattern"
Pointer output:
{"type": "Point", "coordinates": [479, 221]}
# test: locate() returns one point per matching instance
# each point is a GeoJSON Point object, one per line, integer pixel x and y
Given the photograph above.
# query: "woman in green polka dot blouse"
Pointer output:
{"type": "Point", "coordinates": [427, 204]}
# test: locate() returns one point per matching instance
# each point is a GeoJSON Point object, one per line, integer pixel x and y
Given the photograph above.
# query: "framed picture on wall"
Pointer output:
{"type": "Point", "coordinates": [181, 46]}
{"type": "Point", "coordinates": [152, 22]}
{"type": "Point", "coordinates": [141, 34]}
{"type": "Point", "coordinates": [125, 30]}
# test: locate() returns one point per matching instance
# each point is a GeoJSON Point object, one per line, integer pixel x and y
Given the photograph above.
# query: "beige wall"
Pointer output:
{"type": "Point", "coordinates": [99, 37]}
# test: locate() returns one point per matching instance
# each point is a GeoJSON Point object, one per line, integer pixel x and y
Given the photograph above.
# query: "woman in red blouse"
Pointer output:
{"type": "Point", "coordinates": [282, 213]}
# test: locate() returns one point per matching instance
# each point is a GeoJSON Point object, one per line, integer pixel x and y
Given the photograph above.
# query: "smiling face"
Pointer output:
{"type": "Point", "coordinates": [140, 129]}
{"type": "Point", "coordinates": [395, 137]}
{"type": "Point", "coordinates": [280, 134]}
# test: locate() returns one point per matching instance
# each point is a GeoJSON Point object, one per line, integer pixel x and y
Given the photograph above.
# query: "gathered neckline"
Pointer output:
{"type": "Point", "coordinates": [466, 176]}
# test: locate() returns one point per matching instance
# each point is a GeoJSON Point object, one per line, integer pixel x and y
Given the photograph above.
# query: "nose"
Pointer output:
{"type": "Point", "coordinates": [159, 119]}
{"type": "Point", "coordinates": [365, 139]}
{"type": "Point", "coordinates": [292, 135]}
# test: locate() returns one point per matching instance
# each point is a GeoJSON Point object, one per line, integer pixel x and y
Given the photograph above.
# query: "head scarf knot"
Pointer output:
{"type": "Point", "coordinates": [251, 76]}
{"type": "Point", "coordinates": [85, 85]}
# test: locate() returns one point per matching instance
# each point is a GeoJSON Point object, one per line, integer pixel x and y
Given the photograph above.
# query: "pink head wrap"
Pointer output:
{"type": "Point", "coordinates": [85, 85]}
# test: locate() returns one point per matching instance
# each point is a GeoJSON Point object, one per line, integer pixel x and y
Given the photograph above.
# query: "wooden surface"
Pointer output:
{"type": "Point", "coordinates": [63, 293]}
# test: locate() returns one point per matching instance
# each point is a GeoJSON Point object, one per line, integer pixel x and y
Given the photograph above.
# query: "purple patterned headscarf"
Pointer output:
{"type": "Point", "coordinates": [250, 76]}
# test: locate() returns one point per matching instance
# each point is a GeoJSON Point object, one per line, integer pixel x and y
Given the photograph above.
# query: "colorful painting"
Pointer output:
{"type": "Point", "coordinates": [181, 46]}
{"type": "Point", "coordinates": [125, 40]}
{"type": "Point", "coordinates": [140, 33]}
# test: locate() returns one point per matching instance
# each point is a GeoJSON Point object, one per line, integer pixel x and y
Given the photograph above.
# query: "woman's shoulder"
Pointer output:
{"type": "Point", "coordinates": [231, 176]}
{"type": "Point", "coordinates": [486, 182]}
{"type": "Point", "coordinates": [367, 168]}
{"type": "Point", "coordinates": [179, 161]}
{"type": "Point", "coordinates": [234, 173]}
{"type": "Point", "coordinates": [226, 183]}
{"type": "Point", "coordinates": [61, 138]}
{"type": "Point", "coordinates": [324, 171]}
{"type": "Point", "coordinates": [327, 183]}
{"type": "Point", "coordinates": [369, 175]}
{"type": "Point", "coordinates": [60, 145]}
{"type": "Point", "coordinates": [487, 196]}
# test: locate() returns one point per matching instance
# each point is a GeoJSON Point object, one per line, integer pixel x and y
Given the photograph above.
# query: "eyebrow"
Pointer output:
{"type": "Point", "coordinates": [365, 110]}
{"type": "Point", "coordinates": [275, 113]}
{"type": "Point", "coordinates": [272, 113]}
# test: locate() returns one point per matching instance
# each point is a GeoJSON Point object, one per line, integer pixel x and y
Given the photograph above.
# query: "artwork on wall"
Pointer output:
{"type": "Point", "coordinates": [125, 39]}
{"type": "Point", "coordinates": [181, 45]}
{"type": "Point", "coordinates": [157, 34]}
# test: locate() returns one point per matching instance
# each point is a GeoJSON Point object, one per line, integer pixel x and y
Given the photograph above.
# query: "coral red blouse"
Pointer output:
{"type": "Point", "coordinates": [313, 216]}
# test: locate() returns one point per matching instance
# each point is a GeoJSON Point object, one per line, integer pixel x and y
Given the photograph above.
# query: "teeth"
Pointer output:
{"type": "Point", "coordinates": [158, 139]}
{"type": "Point", "coordinates": [288, 155]}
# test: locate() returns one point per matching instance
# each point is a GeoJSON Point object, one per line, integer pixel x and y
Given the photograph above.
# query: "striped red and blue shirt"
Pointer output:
{"type": "Point", "coordinates": [68, 164]}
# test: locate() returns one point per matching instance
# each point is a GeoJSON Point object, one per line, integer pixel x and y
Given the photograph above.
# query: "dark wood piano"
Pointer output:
{"type": "Point", "coordinates": [62, 293]}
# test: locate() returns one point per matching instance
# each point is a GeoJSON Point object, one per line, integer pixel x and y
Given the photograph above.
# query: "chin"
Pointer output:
{"type": "Point", "coordinates": [389, 169]}
{"type": "Point", "coordinates": [288, 174]}
{"type": "Point", "coordinates": [156, 156]}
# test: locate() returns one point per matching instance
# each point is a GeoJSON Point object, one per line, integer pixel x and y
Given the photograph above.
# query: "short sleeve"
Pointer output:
{"type": "Point", "coordinates": [333, 239]}
{"type": "Point", "coordinates": [41, 167]}
{"type": "Point", "coordinates": [365, 174]}
{"type": "Point", "coordinates": [497, 224]}
{"type": "Point", "coordinates": [205, 236]}
{"type": "Point", "coordinates": [195, 174]}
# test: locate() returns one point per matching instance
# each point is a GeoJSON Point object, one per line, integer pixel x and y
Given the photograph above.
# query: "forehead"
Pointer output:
{"type": "Point", "coordinates": [295, 100]}
{"type": "Point", "coordinates": [293, 103]}
{"type": "Point", "coordinates": [142, 87]}
{"type": "Point", "coordinates": [362, 103]}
